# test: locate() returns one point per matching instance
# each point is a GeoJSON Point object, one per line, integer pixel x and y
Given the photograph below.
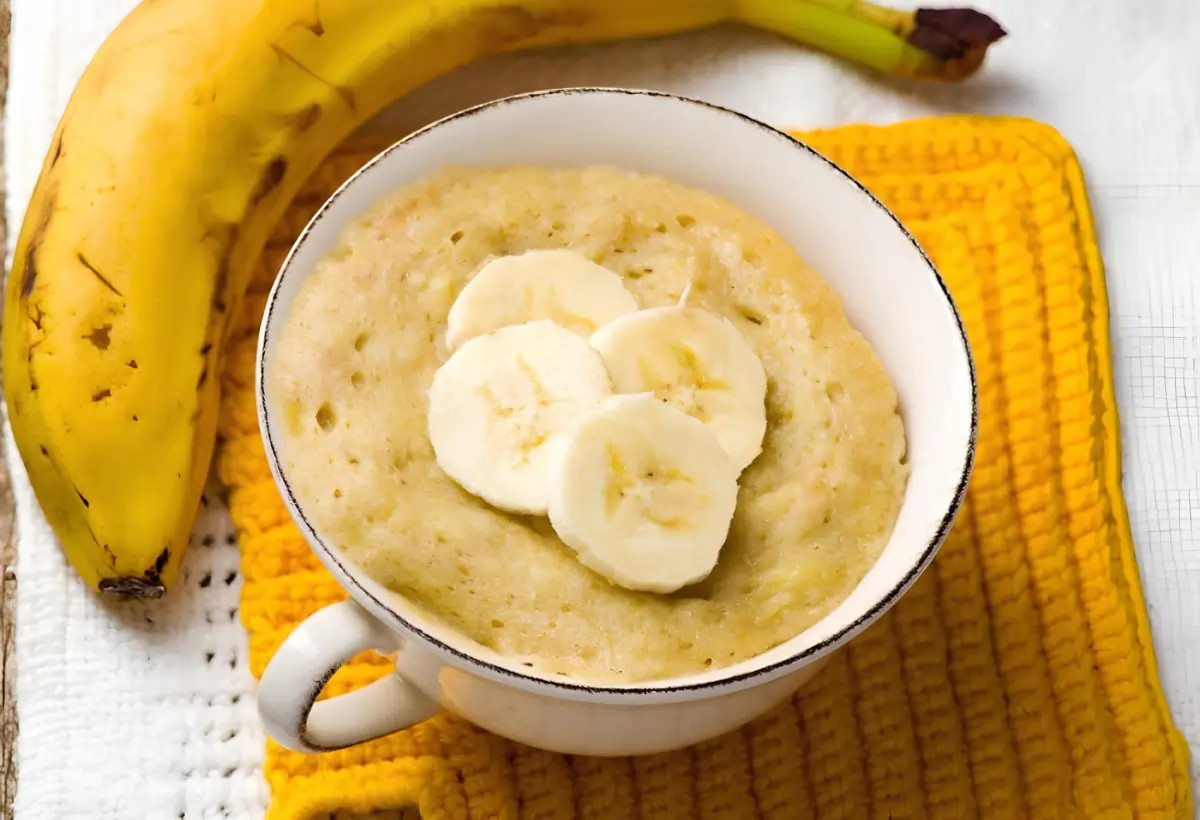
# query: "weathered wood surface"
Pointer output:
{"type": "Point", "coordinates": [8, 547]}
{"type": "Point", "coordinates": [8, 551]}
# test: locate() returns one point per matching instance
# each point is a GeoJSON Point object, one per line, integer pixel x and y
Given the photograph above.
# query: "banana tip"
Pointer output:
{"type": "Point", "coordinates": [128, 588]}
{"type": "Point", "coordinates": [954, 34]}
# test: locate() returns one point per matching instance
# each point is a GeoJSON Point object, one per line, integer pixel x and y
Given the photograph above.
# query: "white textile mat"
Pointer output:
{"type": "Point", "coordinates": [147, 711]}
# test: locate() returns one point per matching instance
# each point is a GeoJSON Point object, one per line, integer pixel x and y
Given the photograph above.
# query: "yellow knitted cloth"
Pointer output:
{"type": "Point", "coordinates": [1016, 679]}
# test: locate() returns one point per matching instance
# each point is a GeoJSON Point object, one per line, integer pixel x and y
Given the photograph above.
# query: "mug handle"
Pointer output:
{"type": "Point", "coordinates": [304, 663]}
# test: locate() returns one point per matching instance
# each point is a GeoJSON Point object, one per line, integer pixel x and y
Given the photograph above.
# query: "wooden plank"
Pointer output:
{"type": "Point", "coordinates": [8, 547]}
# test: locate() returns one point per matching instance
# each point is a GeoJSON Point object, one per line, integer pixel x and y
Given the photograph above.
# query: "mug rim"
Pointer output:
{"type": "Point", "coordinates": [347, 575]}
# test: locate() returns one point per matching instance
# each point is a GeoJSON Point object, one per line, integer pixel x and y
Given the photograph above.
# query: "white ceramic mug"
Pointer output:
{"type": "Point", "coordinates": [892, 294]}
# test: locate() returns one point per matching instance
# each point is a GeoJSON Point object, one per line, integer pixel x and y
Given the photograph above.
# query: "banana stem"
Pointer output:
{"type": "Point", "coordinates": [945, 44]}
{"type": "Point", "coordinates": [837, 33]}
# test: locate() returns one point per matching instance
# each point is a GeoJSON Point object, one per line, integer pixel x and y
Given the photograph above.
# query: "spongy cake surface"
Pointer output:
{"type": "Point", "coordinates": [365, 335]}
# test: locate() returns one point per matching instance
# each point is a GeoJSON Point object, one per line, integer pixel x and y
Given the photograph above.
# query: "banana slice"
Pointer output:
{"type": "Point", "coordinates": [499, 403]}
{"type": "Point", "coordinates": [643, 493]}
{"type": "Point", "coordinates": [696, 361]}
{"type": "Point", "coordinates": [560, 285]}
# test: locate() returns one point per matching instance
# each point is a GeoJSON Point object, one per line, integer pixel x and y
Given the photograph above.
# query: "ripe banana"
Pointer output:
{"type": "Point", "coordinates": [699, 363]}
{"type": "Point", "coordinates": [184, 141]}
{"type": "Point", "coordinates": [560, 285]}
{"type": "Point", "coordinates": [499, 405]}
{"type": "Point", "coordinates": [643, 493]}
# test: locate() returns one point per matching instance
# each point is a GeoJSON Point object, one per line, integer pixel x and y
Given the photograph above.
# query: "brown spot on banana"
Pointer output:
{"type": "Point", "coordinates": [346, 94]}
{"type": "Point", "coordinates": [99, 337]}
{"type": "Point", "coordinates": [83, 498]}
{"type": "Point", "coordinates": [313, 22]}
{"type": "Point", "coordinates": [306, 118]}
{"type": "Point", "coordinates": [103, 279]}
{"type": "Point", "coordinates": [132, 365]}
{"type": "Point", "coordinates": [203, 376]}
{"type": "Point", "coordinates": [58, 149]}
{"type": "Point", "coordinates": [101, 395]}
{"type": "Point", "coordinates": [33, 385]}
{"type": "Point", "coordinates": [29, 275]}
{"type": "Point", "coordinates": [268, 180]}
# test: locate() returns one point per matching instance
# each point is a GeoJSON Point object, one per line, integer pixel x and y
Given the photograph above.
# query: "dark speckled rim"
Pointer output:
{"type": "Point", "coordinates": [565, 688]}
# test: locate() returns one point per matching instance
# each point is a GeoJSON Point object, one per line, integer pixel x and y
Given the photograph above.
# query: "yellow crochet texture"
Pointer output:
{"type": "Point", "coordinates": [1017, 677]}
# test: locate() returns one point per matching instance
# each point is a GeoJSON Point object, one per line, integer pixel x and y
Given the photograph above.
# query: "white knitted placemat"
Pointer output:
{"type": "Point", "coordinates": [147, 711]}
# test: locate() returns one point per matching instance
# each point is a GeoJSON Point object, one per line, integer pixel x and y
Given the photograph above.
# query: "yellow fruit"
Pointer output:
{"type": "Point", "coordinates": [183, 143]}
